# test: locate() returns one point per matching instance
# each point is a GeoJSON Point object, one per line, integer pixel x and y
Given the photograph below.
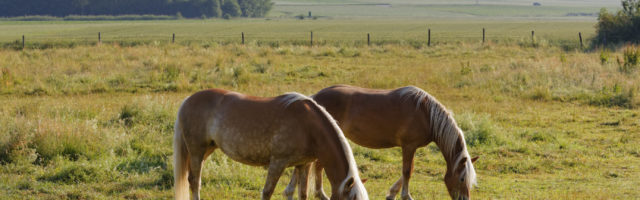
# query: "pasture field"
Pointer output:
{"type": "Point", "coordinates": [95, 122]}
{"type": "Point", "coordinates": [285, 31]}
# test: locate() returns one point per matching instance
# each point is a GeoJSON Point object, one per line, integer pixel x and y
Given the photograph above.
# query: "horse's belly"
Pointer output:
{"type": "Point", "coordinates": [371, 138]}
{"type": "Point", "coordinates": [245, 148]}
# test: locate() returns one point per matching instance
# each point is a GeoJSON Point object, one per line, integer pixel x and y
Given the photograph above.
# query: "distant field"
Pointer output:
{"type": "Point", "coordinates": [467, 9]}
{"type": "Point", "coordinates": [287, 31]}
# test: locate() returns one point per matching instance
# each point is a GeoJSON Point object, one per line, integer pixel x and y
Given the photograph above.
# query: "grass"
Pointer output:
{"type": "Point", "coordinates": [96, 121]}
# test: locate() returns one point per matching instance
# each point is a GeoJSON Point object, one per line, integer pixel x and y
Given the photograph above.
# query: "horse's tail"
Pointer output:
{"type": "Point", "coordinates": [180, 163]}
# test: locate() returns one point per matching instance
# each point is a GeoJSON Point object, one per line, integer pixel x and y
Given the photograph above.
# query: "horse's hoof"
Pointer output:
{"type": "Point", "coordinates": [390, 198]}
{"type": "Point", "coordinates": [408, 197]}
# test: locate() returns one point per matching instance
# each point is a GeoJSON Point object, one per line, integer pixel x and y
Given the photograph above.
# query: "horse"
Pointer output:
{"type": "Point", "coordinates": [406, 117]}
{"type": "Point", "coordinates": [279, 132]}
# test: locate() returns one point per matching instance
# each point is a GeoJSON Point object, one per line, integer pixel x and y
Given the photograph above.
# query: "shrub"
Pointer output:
{"type": "Point", "coordinates": [614, 96]}
{"type": "Point", "coordinates": [128, 114]}
{"type": "Point", "coordinates": [631, 56]}
{"type": "Point", "coordinates": [623, 26]}
{"type": "Point", "coordinates": [75, 173]}
{"type": "Point", "coordinates": [479, 130]}
{"type": "Point", "coordinates": [16, 148]}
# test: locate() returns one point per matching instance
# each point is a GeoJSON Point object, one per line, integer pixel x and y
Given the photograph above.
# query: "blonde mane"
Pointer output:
{"type": "Point", "coordinates": [444, 128]}
{"type": "Point", "coordinates": [358, 189]}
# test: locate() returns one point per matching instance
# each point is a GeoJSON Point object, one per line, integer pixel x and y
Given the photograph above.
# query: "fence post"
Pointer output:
{"type": "Point", "coordinates": [243, 38]}
{"type": "Point", "coordinates": [532, 37]}
{"type": "Point", "coordinates": [173, 38]}
{"type": "Point", "coordinates": [311, 41]}
{"type": "Point", "coordinates": [580, 36]}
{"type": "Point", "coordinates": [368, 39]}
{"type": "Point", "coordinates": [429, 37]}
{"type": "Point", "coordinates": [483, 32]}
{"type": "Point", "coordinates": [99, 38]}
{"type": "Point", "coordinates": [22, 42]}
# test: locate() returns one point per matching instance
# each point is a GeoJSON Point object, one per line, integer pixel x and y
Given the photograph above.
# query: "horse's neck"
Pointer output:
{"type": "Point", "coordinates": [334, 159]}
{"type": "Point", "coordinates": [333, 150]}
{"type": "Point", "coordinates": [450, 149]}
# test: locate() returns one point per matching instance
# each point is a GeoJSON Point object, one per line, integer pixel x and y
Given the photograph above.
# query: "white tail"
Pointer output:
{"type": "Point", "coordinates": [180, 164]}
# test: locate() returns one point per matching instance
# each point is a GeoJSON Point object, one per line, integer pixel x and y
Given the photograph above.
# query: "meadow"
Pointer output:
{"type": "Point", "coordinates": [549, 120]}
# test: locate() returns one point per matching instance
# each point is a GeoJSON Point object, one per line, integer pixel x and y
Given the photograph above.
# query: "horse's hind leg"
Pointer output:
{"type": "Point", "coordinates": [300, 177]}
{"type": "Point", "coordinates": [276, 167]}
{"type": "Point", "coordinates": [303, 180]}
{"type": "Point", "coordinates": [395, 188]}
{"type": "Point", "coordinates": [195, 168]}
{"type": "Point", "coordinates": [291, 188]}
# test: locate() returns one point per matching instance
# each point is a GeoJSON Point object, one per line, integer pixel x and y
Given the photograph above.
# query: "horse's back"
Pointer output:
{"type": "Point", "coordinates": [375, 118]}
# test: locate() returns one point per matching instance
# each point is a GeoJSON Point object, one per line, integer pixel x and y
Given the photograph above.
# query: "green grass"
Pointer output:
{"type": "Point", "coordinates": [96, 121]}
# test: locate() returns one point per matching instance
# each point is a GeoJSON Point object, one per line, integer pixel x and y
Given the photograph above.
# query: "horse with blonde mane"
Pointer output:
{"type": "Point", "coordinates": [288, 130]}
{"type": "Point", "coordinates": [406, 117]}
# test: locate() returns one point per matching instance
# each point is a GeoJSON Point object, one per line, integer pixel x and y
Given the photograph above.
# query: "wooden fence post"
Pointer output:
{"type": "Point", "coordinates": [368, 39]}
{"type": "Point", "coordinates": [173, 38]}
{"type": "Point", "coordinates": [580, 36]}
{"type": "Point", "coordinates": [532, 37]}
{"type": "Point", "coordinates": [22, 42]}
{"type": "Point", "coordinates": [483, 32]}
{"type": "Point", "coordinates": [429, 37]}
{"type": "Point", "coordinates": [311, 41]}
{"type": "Point", "coordinates": [243, 38]}
{"type": "Point", "coordinates": [99, 38]}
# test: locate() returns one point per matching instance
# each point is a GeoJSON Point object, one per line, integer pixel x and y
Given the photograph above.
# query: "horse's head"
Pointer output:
{"type": "Point", "coordinates": [458, 178]}
{"type": "Point", "coordinates": [352, 189]}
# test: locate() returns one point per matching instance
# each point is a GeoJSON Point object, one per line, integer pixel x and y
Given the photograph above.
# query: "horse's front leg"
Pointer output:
{"type": "Point", "coordinates": [403, 182]}
{"type": "Point", "coordinates": [407, 169]}
{"type": "Point", "coordinates": [276, 167]}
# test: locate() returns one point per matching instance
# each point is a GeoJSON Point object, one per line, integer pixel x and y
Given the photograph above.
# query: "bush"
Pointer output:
{"type": "Point", "coordinates": [75, 173]}
{"type": "Point", "coordinates": [614, 96]}
{"type": "Point", "coordinates": [479, 130]}
{"type": "Point", "coordinates": [621, 27]}
{"type": "Point", "coordinates": [631, 58]}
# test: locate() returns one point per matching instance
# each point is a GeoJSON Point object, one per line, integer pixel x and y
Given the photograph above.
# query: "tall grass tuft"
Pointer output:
{"type": "Point", "coordinates": [631, 59]}
{"type": "Point", "coordinates": [478, 129]}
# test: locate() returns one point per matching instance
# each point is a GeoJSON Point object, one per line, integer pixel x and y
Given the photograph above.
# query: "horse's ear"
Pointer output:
{"type": "Point", "coordinates": [364, 180]}
{"type": "Point", "coordinates": [473, 160]}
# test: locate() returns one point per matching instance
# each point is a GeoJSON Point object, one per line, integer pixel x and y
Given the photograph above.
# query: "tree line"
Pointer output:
{"type": "Point", "coordinates": [186, 8]}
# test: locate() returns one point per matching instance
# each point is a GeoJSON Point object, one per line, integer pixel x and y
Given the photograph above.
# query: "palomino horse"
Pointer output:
{"type": "Point", "coordinates": [288, 130]}
{"type": "Point", "coordinates": [406, 117]}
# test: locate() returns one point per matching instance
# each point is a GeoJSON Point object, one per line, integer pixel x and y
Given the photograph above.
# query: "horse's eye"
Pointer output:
{"type": "Point", "coordinates": [462, 179]}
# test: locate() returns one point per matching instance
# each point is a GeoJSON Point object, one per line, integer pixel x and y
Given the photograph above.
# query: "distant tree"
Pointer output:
{"type": "Point", "coordinates": [255, 8]}
{"type": "Point", "coordinates": [621, 27]}
{"type": "Point", "coordinates": [188, 8]}
{"type": "Point", "coordinates": [231, 7]}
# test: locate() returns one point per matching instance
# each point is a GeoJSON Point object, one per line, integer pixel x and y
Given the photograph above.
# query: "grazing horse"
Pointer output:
{"type": "Point", "coordinates": [288, 130]}
{"type": "Point", "coordinates": [406, 117]}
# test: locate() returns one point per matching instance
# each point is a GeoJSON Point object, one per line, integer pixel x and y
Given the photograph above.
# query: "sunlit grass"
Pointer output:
{"type": "Point", "coordinates": [96, 121]}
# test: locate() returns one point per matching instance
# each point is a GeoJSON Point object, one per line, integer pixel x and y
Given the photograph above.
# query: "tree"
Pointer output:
{"type": "Point", "coordinates": [231, 7]}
